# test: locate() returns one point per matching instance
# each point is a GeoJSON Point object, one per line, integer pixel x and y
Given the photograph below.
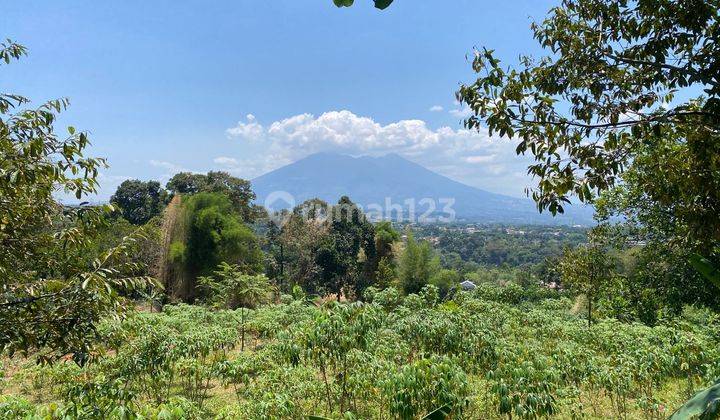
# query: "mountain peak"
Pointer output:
{"type": "Point", "coordinates": [398, 182]}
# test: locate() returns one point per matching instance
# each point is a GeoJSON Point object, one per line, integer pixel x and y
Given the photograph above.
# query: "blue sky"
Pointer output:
{"type": "Point", "coordinates": [249, 85]}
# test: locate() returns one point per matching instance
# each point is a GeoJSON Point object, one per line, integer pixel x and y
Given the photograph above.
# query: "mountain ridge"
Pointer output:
{"type": "Point", "coordinates": [369, 180]}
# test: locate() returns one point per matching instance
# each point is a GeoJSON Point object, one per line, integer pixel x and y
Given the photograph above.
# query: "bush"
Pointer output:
{"type": "Point", "coordinates": [425, 385]}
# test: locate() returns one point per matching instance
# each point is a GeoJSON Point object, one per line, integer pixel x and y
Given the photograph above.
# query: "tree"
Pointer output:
{"type": "Point", "coordinates": [231, 288]}
{"type": "Point", "coordinates": [380, 4]}
{"type": "Point", "coordinates": [668, 201]}
{"type": "Point", "coordinates": [51, 297]}
{"type": "Point", "coordinates": [385, 237]}
{"type": "Point", "coordinates": [313, 209]}
{"type": "Point", "coordinates": [609, 86]}
{"type": "Point", "coordinates": [276, 251]}
{"type": "Point", "coordinates": [586, 270]}
{"type": "Point", "coordinates": [378, 267]}
{"type": "Point", "coordinates": [238, 190]}
{"type": "Point", "coordinates": [418, 263]}
{"type": "Point", "coordinates": [337, 256]}
{"type": "Point", "coordinates": [445, 280]}
{"type": "Point", "coordinates": [301, 238]}
{"type": "Point", "coordinates": [139, 201]}
{"type": "Point", "coordinates": [215, 234]}
{"type": "Point", "coordinates": [186, 183]}
{"type": "Point", "coordinates": [386, 274]}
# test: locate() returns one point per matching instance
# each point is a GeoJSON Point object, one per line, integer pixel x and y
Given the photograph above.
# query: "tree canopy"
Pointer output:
{"type": "Point", "coordinates": [51, 297]}
{"type": "Point", "coordinates": [418, 263]}
{"type": "Point", "coordinates": [618, 74]}
{"type": "Point", "coordinates": [139, 201]}
{"type": "Point", "coordinates": [218, 235]}
{"type": "Point", "coordinates": [238, 190]}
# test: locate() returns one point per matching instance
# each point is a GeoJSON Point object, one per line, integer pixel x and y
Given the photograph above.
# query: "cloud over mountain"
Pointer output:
{"type": "Point", "coordinates": [471, 156]}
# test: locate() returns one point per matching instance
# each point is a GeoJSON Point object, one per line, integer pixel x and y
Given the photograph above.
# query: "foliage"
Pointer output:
{"type": "Point", "coordinates": [706, 268]}
{"type": "Point", "coordinates": [445, 280]}
{"type": "Point", "coordinates": [139, 201]}
{"type": "Point", "coordinates": [50, 299]}
{"type": "Point", "coordinates": [337, 256]}
{"type": "Point", "coordinates": [298, 240]}
{"type": "Point", "coordinates": [426, 384]}
{"type": "Point", "coordinates": [217, 234]}
{"type": "Point", "coordinates": [238, 190]}
{"type": "Point", "coordinates": [380, 265]}
{"type": "Point", "coordinates": [665, 208]}
{"type": "Point", "coordinates": [606, 89]}
{"type": "Point", "coordinates": [386, 273]}
{"type": "Point", "coordinates": [467, 247]}
{"type": "Point", "coordinates": [586, 270]}
{"type": "Point", "coordinates": [491, 353]}
{"type": "Point", "coordinates": [417, 264]}
{"type": "Point", "coordinates": [231, 288]}
{"type": "Point", "coordinates": [703, 405]}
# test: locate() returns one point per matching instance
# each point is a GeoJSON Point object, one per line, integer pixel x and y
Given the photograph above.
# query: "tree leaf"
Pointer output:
{"type": "Point", "coordinates": [439, 414]}
{"type": "Point", "coordinates": [706, 268]}
{"type": "Point", "coordinates": [383, 4]}
{"type": "Point", "coordinates": [705, 403]}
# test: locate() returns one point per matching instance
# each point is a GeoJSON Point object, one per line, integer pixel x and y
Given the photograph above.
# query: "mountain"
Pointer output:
{"type": "Point", "coordinates": [375, 180]}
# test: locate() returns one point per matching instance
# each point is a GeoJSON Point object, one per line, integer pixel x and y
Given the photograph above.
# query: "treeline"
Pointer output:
{"type": "Point", "coordinates": [466, 247]}
{"type": "Point", "coordinates": [315, 248]}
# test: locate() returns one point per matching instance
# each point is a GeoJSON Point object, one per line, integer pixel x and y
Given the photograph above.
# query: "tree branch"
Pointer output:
{"type": "Point", "coordinates": [685, 70]}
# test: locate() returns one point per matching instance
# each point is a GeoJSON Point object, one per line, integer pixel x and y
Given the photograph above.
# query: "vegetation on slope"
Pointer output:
{"type": "Point", "coordinates": [495, 353]}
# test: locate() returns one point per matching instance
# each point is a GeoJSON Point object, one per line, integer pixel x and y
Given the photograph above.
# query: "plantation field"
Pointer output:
{"type": "Point", "coordinates": [493, 353]}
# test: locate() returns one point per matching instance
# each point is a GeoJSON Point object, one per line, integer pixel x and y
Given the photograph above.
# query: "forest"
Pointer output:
{"type": "Point", "coordinates": [187, 299]}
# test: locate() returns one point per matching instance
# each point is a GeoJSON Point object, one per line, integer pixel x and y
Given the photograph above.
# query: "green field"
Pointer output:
{"type": "Point", "coordinates": [495, 353]}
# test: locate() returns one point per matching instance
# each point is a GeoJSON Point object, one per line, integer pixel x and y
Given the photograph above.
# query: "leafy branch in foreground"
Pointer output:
{"type": "Point", "coordinates": [54, 286]}
{"type": "Point", "coordinates": [608, 86]}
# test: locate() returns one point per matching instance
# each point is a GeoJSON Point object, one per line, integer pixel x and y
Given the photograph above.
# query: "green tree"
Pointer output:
{"type": "Point", "coordinates": [617, 76]}
{"type": "Point", "coordinates": [668, 202]}
{"type": "Point", "coordinates": [418, 263]}
{"type": "Point", "coordinates": [587, 270]}
{"type": "Point", "coordinates": [187, 183]}
{"type": "Point", "coordinates": [217, 234]}
{"type": "Point", "coordinates": [239, 191]}
{"type": "Point", "coordinates": [348, 232]}
{"type": "Point", "coordinates": [301, 237]}
{"type": "Point", "coordinates": [445, 280]}
{"type": "Point", "coordinates": [230, 288]}
{"type": "Point", "coordinates": [51, 297]}
{"type": "Point", "coordinates": [385, 237]}
{"type": "Point", "coordinates": [139, 201]}
{"type": "Point", "coordinates": [380, 267]}
{"type": "Point", "coordinates": [276, 251]}
{"type": "Point", "coordinates": [386, 274]}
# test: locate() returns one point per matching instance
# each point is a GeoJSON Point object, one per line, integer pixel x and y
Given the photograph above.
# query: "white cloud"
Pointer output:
{"type": "Point", "coordinates": [480, 158]}
{"type": "Point", "coordinates": [469, 156]}
{"type": "Point", "coordinates": [249, 130]}
{"type": "Point", "coordinates": [461, 112]}
{"type": "Point", "coordinates": [225, 161]}
{"type": "Point", "coordinates": [436, 108]}
{"type": "Point", "coordinates": [169, 166]}
{"type": "Point", "coordinates": [250, 168]}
